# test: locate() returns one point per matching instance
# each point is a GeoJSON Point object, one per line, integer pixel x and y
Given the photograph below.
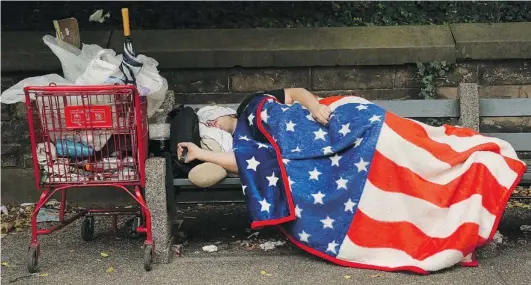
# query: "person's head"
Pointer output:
{"type": "Point", "coordinates": [226, 123]}
{"type": "Point", "coordinates": [219, 117]}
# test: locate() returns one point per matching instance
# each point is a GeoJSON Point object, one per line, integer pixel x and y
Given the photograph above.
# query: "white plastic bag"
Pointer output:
{"type": "Point", "coordinates": [15, 93]}
{"type": "Point", "coordinates": [104, 68]}
{"type": "Point", "coordinates": [100, 68]}
{"type": "Point", "coordinates": [73, 60]}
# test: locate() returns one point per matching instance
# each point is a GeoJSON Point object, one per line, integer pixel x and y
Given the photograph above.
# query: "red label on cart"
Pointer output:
{"type": "Point", "coordinates": [88, 117]}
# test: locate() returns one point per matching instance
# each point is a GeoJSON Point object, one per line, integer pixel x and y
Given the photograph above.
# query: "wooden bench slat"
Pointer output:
{"type": "Point", "coordinates": [519, 141]}
{"type": "Point", "coordinates": [526, 178]}
{"type": "Point", "coordinates": [505, 107]}
{"type": "Point", "coordinates": [444, 108]}
{"type": "Point", "coordinates": [421, 108]}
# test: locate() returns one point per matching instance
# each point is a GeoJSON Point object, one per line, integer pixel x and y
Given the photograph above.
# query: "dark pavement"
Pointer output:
{"type": "Point", "coordinates": [67, 259]}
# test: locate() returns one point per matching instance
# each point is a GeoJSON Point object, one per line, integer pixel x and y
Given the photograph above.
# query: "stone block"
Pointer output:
{"type": "Point", "coordinates": [222, 48]}
{"type": "Point", "coordinates": [505, 91]}
{"type": "Point", "coordinates": [166, 107]}
{"type": "Point", "coordinates": [26, 51]}
{"type": "Point", "coordinates": [209, 98]}
{"type": "Point", "coordinates": [251, 80]}
{"type": "Point", "coordinates": [407, 77]}
{"type": "Point", "coordinates": [18, 186]}
{"type": "Point", "coordinates": [20, 110]}
{"type": "Point", "coordinates": [492, 41]}
{"type": "Point", "coordinates": [27, 160]}
{"type": "Point", "coordinates": [469, 105]}
{"type": "Point", "coordinates": [374, 94]}
{"type": "Point", "coordinates": [157, 203]}
{"type": "Point", "coordinates": [10, 148]}
{"type": "Point", "coordinates": [360, 78]}
{"type": "Point", "coordinates": [9, 160]}
{"type": "Point", "coordinates": [466, 72]}
{"type": "Point", "coordinates": [6, 112]}
{"type": "Point", "coordinates": [447, 92]}
{"type": "Point", "coordinates": [197, 81]}
{"type": "Point", "coordinates": [15, 131]}
{"type": "Point", "coordinates": [513, 72]}
{"type": "Point", "coordinates": [506, 124]}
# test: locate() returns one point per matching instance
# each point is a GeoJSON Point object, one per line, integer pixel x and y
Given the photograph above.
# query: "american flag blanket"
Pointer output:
{"type": "Point", "coordinates": [371, 189]}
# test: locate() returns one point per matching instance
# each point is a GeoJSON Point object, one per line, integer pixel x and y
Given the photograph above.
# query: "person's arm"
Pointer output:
{"type": "Point", "coordinates": [226, 160]}
{"type": "Point", "coordinates": [307, 99]}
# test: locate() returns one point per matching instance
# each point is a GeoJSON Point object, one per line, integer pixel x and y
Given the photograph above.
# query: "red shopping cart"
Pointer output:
{"type": "Point", "coordinates": [88, 136]}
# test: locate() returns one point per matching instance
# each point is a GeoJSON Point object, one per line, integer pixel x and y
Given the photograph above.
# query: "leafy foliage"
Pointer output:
{"type": "Point", "coordinates": [21, 15]}
{"type": "Point", "coordinates": [428, 73]}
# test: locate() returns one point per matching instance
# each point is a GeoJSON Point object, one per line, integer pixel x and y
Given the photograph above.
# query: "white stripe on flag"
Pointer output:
{"type": "Point", "coordinates": [349, 100]}
{"type": "Point", "coordinates": [388, 257]}
{"type": "Point", "coordinates": [406, 154]}
{"type": "Point", "coordinates": [432, 220]}
{"type": "Point", "coordinates": [462, 144]}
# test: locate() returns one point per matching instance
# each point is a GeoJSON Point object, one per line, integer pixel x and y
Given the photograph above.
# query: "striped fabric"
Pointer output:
{"type": "Point", "coordinates": [371, 189]}
{"type": "Point", "coordinates": [130, 66]}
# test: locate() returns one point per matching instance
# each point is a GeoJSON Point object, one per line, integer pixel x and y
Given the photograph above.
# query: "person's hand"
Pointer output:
{"type": "Point", "coordinates": [194, 152]}
{"type": "Point", "coordinates": [321, 113]}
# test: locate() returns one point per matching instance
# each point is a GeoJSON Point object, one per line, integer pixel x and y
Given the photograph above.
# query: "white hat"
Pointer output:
{"type": "Point", "coordinates": [210, 113]}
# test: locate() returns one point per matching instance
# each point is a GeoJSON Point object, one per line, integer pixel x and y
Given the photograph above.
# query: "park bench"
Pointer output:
{"type": "Point", "coordinates": [466, 110]}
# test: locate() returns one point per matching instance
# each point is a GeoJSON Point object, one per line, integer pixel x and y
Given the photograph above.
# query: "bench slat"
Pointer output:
{"type": "Point", "coordinates": [444, 108]}
{"type": "Point", "coordinates": [505, 107]}
{"type": "Point", "coordinates": [526, 178]}
{"type": "Point", "coordinates": [421, 108]}
{"type": "Point", "coordinates": [519, 141]}
{"type": "Point", "coordinates": [236, 181]}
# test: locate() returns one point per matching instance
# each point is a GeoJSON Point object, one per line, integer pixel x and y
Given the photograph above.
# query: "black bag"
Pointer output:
{"type": "Point", "coordinates": [184, 127]}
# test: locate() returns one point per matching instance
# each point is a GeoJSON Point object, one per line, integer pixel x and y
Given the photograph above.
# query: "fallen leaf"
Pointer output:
{"type": "Point", "coordinates": [43, 275]}
{"type": "Point", "coordinates": [110, 269]}
{"type": "Point", "coordinates": [376, 275]}
{"type": "Point", "coordinates": [6, 227]}
{"type": "Point", "coordinates": [348, 276]}
{"type": "Point", "coordinates": [4, 263]}
{"type": "Point", "coordinates": [104, 254]}
{"type": "Point", "coordinates": [263, 272]}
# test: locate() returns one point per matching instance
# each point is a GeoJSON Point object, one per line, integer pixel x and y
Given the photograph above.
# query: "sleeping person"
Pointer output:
{"type": "Point", "coordinates": [357, 185]}
{"type": "Point", "coordinates": [226, 120]}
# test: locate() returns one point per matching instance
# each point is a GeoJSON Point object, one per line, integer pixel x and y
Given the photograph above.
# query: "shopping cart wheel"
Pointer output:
{"type": "Point", "coordinates": [33, 260]}
{"type": "Point", "coordinates": [87, 228]}
{"type": "Point", "coordinates": [148, 257]}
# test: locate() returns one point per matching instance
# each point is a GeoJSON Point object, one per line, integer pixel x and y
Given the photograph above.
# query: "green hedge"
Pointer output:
{"type": "Point", "coordinates": [169, 15]}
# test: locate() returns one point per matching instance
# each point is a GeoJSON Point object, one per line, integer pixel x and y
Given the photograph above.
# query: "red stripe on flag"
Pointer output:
{"type": "Point", "coordinates": [370, 233]}
{"type": "Point", "coordinates": [388, 176]}
{"type": "Point", "coordinates": [329, 100]}
{"type": "Point", "coordinates": [416, 134]}
{"type": "Point", "coordinates": [459, 132]}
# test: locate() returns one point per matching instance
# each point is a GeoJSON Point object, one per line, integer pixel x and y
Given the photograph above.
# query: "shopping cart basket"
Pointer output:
{"type": "Point", "coordinates": [88, 136]}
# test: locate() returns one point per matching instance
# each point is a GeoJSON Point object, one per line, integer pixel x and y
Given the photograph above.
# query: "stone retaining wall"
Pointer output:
{"type": "Point", "coordinates": [499, 75]}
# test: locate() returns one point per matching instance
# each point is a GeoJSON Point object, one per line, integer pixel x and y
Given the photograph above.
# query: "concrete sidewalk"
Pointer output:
{"type": "Point", "coordinates": [67, 259]}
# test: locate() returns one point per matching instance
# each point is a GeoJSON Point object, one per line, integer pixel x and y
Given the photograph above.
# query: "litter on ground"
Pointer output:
{"type": "Point", "coordinates": [270, 245]}
{"type": "Point", "coordinates": [210, 248]}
